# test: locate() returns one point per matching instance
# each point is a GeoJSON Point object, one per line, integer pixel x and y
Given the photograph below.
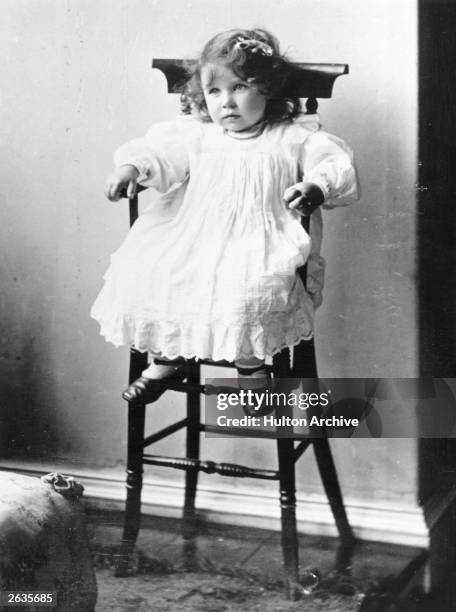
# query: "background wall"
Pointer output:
{"type": "Point", "coordinates": [76, 83]}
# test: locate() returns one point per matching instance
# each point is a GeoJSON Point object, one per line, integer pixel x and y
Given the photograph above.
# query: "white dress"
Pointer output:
{"type": "Point", "coordinates": [218, 279]}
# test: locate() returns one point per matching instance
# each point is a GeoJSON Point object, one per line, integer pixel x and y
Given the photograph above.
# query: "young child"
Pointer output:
{"type": "Point", "coordinates": [217, 280]}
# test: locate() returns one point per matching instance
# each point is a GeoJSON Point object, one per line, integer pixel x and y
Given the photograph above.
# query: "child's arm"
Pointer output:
{"type": "Point", "coordinates": [122, 182]}
{"type": "Point", "coordinates": [304, 197]}
{"type": "Point", "coordinates": [158, 160]}
{"type": "Point", "coordinates": [329, 163]}
{"type": "Point", "coordinates": [329, 175]}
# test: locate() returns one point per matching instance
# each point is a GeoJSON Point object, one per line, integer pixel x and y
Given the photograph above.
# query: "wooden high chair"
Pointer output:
{"type": "Point", "coordinates": [310, 81]}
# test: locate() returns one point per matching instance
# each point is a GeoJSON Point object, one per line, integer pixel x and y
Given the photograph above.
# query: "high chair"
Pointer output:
{"type": "Point", "coordinates": [310, 81]}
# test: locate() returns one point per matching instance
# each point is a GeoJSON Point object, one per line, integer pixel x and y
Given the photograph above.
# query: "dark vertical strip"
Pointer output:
{"type": "Point", "coordinates": [436, 226]}
{"type": "Point", "coordinates": [437, 188]}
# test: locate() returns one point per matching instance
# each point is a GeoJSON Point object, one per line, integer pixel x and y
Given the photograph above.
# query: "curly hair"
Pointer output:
{"type": "Point", "coordinates": [270, 72]}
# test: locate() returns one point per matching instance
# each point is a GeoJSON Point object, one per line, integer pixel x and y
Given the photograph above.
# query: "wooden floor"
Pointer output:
{"type": "Point", "coordinates": [374, 572]}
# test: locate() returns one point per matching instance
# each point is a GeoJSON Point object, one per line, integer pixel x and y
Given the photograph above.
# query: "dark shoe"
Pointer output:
{"type": "Point", "coordinates": [148, 390]}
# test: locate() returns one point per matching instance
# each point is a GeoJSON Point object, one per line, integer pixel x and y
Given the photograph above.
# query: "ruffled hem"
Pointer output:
{"type": "Point", "coordinates": [216, 341]}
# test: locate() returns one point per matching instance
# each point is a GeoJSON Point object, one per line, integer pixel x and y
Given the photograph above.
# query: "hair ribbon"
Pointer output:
{"type": "Point", "coordinates": [254, 46]}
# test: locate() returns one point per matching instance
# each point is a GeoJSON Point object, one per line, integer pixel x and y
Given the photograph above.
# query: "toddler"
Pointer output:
{"type": "Point", "coordinates": [218, 279]}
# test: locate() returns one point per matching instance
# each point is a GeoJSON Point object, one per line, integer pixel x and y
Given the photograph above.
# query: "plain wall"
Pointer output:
{"type": "Point", "coordinates": [76, 82]}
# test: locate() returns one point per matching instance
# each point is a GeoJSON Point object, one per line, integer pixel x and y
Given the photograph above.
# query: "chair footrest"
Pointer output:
{"type": "Point", "coordinates": [210, 467]}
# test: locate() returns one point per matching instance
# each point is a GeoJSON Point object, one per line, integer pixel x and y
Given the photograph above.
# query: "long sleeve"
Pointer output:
{"type": "Point", "coordinates": [328, 162]}
{"type": "Point", "coordinates": [161, 156]}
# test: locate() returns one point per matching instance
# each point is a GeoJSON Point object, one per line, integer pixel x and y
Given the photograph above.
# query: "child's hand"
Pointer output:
{"type": "Point", "coordinates": [304, 197]}
{"type": "Point", "coordinates": [122, 183]}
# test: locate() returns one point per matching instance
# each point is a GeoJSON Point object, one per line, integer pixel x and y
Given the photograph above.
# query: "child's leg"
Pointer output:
{"type": "Point", "coordinates": [147, 386]}
{"type": "Point", "coordinates": [251, 373]}
{"type": "Point", "coordinates": [253, 376]}
{"type": "Point", "coordinates": [250, 364]}
{"type": "Point", "coordinates": [161, 367]}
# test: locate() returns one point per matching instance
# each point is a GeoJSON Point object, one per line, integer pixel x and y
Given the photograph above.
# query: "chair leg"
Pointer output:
{"type": "Point", "coordinates": [136, 417]}
{"type": "Point", "coordinates": [189, 527]}
{"type": "Point", "coordinates": [304, 362]}
{"type": "Point", "coordinates": [330, 481]}
{"type": "Point", "coordinates": [285, 449]}
{"type": "Point", "coordinates": [287, 484]}
{"type": "Point", "coordinates": [132, 517]}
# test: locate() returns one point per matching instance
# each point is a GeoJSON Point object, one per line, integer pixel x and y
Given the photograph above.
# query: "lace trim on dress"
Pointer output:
{"type": "Point", "coordinates": [207, 341]}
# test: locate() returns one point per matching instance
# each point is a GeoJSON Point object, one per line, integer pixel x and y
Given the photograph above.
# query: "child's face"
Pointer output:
{"type": "Point", "coordinates": [231, 102]}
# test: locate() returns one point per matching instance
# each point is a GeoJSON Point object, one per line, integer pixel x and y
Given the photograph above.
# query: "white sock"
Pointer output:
{"type": "Point", "coordinates": [256, 379]}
